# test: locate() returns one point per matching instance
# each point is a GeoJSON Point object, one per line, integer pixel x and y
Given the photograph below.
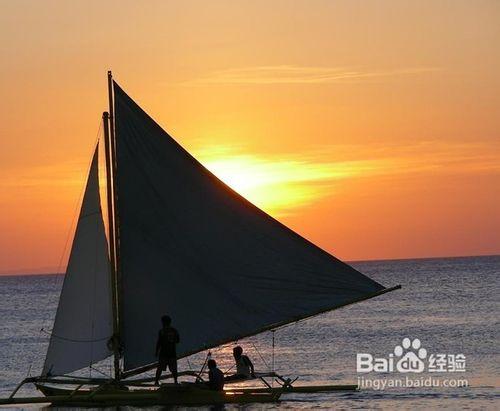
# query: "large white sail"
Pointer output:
{"type": "Point", "coordinates": [83, 321]}
{"type": "Point", "coordinates": [192, 248]}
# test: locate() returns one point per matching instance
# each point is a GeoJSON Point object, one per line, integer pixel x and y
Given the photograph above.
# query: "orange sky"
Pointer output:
{"type": "Point", "coordinates": [371, 128]}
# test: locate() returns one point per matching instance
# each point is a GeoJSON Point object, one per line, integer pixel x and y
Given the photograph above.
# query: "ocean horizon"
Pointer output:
{"type": "Point", "coordinates": [33, 272]}
{"type": "Point", "coordinates": [449, 304]}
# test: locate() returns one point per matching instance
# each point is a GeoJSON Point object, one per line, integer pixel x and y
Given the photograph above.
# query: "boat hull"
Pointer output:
{"type": "Point", "coordinates": [185, 394]}
{"type": "Point", "coordinates": [170, 395]}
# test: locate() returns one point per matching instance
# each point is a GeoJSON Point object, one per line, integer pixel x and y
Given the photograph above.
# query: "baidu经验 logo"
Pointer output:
{"type": "Point", "coordinates": [410, 357]}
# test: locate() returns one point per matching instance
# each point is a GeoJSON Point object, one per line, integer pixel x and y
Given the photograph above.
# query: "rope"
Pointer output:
{"type": "Point", "coordinates": [273, 352]}
{"type": "Point", "coordinates": [58, 278]}
{"type": "Point", "coordinates": [74, 340]}
{"type": "Point", "coordinates": [209, 355]}
{"type": "Point", "coordinates": [272, 381]}
{"type": "Point", "coordinates": [261, 357]}
{"type": "Point", "coordinates": [78, 204]}
{"type": "Point", "coordinates": [189, 364]}
{"type": "Point", "coordinates": [92, 312]}
{"type": "Point", "coordinates": [99, 371]}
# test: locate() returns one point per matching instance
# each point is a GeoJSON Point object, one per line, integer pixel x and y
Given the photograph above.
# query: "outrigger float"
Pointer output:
{"type": "Point", "coordinates": [176, 236]}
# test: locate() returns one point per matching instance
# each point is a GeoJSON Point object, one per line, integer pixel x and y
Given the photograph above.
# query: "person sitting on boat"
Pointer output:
{"type": "Point", "coordinates": [168, 337]}
{"type": "Point", "coordinates": [215, 377]}
{"type": "Point", "coordinates": [244, 367]}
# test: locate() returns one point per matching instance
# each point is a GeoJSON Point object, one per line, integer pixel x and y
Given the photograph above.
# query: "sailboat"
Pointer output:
{"type": "Point", "coordinates": [175, 236]}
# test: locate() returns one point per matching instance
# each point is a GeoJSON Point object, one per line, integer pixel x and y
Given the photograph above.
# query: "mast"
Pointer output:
{"type": "Point", "coordinates": [109, 136]}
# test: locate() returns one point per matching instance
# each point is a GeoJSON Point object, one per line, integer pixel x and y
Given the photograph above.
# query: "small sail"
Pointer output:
{"type": "Point", "coordinates": [83, 321]}
{"type": "Point", "coordinates": [194, 249]}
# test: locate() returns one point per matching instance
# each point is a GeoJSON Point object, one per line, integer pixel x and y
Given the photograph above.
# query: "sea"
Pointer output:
{"type": "Point", "coordinates": [434, 344]}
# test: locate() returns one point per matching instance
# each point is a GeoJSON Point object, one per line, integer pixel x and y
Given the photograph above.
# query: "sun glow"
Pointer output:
{"type": "Point", "coordinates": [278, 184]}
{"type": "Point", "coordinates": [368, 155]}
{"type": "Point", "coordinates": [281, 184]}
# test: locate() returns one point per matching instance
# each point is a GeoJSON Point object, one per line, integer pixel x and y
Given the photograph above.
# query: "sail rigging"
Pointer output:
{"type": "Point", "coordinates": [193, 248]}
{"type": "Point", "coordinates": [83, 323]}
{"type": "Point", "coordinates": [182, 243]}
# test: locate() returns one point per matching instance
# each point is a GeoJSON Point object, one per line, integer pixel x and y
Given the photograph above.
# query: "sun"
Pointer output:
{"type": "Point", "coordinates": [278, 184]}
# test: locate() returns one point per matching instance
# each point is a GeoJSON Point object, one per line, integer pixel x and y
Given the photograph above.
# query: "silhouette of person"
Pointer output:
{"type": "Point", "coordinates": [168, 337]}
{"type": "Point", "coordinates": [215, 377]}
{"type": "Point", "coordinates": [244, 367]}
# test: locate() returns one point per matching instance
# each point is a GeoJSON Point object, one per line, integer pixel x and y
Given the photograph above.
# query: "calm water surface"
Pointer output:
{"type": "Point", "coordinates": [451, 305]}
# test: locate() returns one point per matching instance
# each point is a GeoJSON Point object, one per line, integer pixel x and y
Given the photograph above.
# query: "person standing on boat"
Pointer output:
{"type": "Point", "coordinates": [168, 338]}
{"type": "Point", "coordinates": [244, 367]}
{"type": "Point", "coordinates": [215, 377]}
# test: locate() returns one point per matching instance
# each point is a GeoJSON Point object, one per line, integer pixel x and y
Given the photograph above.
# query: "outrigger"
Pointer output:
{"type": "Point", "coordinates": [175, 234]}
{"type": "Point", "coordinates": [103, 392]}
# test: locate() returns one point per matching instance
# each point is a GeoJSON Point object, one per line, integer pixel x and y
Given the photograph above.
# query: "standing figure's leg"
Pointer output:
{"type": "Point", "coordinates": [158, 374]}
{"type": "Point", "coordinates": [172, 365]}
{"type": "Point", "coordinates": [162, 366]}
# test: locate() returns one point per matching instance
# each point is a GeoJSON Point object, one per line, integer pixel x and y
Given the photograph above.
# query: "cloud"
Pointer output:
{"type": "Point", "coordinates": [287, 74]}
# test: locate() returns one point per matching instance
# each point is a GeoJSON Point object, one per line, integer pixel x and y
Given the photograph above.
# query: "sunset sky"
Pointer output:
{"type": "Point", "coordinates": [370, 127]}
